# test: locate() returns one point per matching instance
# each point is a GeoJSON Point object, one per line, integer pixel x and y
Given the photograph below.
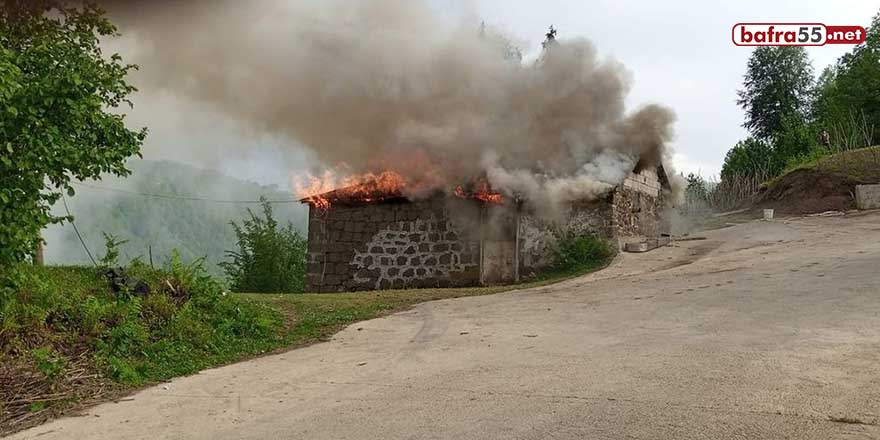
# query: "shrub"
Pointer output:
{"type": "Point", "coordinates": [270, 258]}
{"type": "Point", "coordinates": [51, 314]}
{"type": "Point", "coordinates": [796, 138]}
{"type": "Point", "coordinates": [111, 250]}
{"type": "Point", "coordinates": [574, 252]}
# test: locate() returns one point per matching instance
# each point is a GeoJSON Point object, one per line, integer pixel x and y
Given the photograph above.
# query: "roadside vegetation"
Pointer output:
{"type": "Point", "coordinates": [862, 164]}
{"type": "Point", "coordinates": [269, 258]}
{"type": "Point", "coordinates": [67, 338]}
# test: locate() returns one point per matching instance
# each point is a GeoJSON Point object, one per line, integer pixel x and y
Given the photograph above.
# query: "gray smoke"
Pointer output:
{"type": "Point", "coordinates": [380, 85]}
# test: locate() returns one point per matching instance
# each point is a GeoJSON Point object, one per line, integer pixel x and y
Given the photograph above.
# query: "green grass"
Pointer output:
{"type": "Point", "coordinates": [48, 310]}
{"type": "Point", "coordinates": [66, 338]}
{"type": "Point", "coordinates": [861, 165]}
{"type": "Point", "coordinates": [313, 317]}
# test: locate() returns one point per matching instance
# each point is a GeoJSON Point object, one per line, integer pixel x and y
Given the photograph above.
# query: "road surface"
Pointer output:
{"type": "Point", "coordinates": [763, 330]}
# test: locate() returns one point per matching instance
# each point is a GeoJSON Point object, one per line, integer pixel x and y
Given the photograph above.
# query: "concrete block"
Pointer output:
{"type": "Point", "coordinates": [640, 246]}
{"type": "Point", "coordinates": [868, 196]}
{"type": "Point", "coordinates": [647, 245]}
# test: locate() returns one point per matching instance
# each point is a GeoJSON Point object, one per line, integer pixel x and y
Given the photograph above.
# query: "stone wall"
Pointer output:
{"type": "Point", "coordinates": [634, 211]}
{"type": "Point", "coordinates": [429, 243]}
{"type": "Point", "coordinates": [442, 241]}
{"type": "Point", "coordinates": [537, 238]}
{"type": "Point", "coordinates": [638, 215]}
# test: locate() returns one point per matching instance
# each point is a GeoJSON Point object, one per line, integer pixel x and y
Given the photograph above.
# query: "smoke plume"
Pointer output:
{"type": "Point", "coordinates": [379, 85]}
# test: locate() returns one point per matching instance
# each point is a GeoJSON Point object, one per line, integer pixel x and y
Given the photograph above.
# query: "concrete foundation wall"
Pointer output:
{"type": "Point", "coordinates": [868, 196]}
{"type": "Point", "coordinates": [394, 245]}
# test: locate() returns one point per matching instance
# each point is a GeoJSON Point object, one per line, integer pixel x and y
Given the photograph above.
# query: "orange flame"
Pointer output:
{"type": "Point", "coordinates": [368, 187]}
{"type": "Point", "coordinates": [480, 190]}
{"type": "Point", "coordinates": [322, 191]}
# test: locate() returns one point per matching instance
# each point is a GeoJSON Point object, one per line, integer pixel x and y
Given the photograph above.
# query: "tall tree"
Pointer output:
{"type": "Point", "coordinates": [776, 86]}
{"type": "Point", "coordinates": [850, 91]}
{"type": "Point", "coordinates": [59, 119]}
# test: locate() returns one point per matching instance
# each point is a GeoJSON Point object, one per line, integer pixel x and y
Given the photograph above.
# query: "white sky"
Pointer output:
{"type": "Point", "coordinates": [679, 53]}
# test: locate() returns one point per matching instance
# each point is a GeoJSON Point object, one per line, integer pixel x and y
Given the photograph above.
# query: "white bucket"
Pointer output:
{"type": "Point", "coordinates": [768, 214]}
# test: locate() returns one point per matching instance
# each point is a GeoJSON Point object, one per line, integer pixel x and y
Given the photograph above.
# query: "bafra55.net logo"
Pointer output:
{"type": "Point", "coordinates": [795, 34]}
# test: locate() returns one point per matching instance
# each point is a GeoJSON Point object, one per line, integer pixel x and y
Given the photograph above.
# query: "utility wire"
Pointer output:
{"type": "Point", "coordinates": [179, 197]}
{"type": "Point", "coordinates": [75, 229]}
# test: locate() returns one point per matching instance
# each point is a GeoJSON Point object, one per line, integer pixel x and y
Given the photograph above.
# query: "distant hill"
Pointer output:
{"type": "Point", "coordinates": [197, 228]}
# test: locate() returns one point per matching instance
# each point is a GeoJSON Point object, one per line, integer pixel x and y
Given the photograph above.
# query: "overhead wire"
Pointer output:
{"type": "Point", "coordinates": [181, 197]}
{"type": "Point", "coordinates": [75, 229]}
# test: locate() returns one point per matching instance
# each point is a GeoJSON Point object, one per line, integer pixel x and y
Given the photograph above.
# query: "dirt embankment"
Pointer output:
{"type": "Point", "coordinates": [807, 191]}
{"type": "Point", "coordinates": [827, 184]}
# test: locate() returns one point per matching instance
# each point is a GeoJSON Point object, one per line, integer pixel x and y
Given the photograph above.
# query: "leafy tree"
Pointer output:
{"type": "Point", "coordinates": [57, 96]}
{"type": "Point", "coordinates": [776, 85]}
{"type": "Point", "coordinates": [795, 138]}
{"type": "Point", "coordinates": [269, 258]}
{"type": "Point", "coordinates": [748, 158]}
{"type": "Point", "coordinates": [851, 89]}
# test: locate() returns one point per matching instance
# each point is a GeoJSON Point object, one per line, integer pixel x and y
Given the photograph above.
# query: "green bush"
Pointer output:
{"type": "Point", "coordinates": [575, 252]}
{"type": "Point", "coordinates": [186, 323]}
{"type": "Point", "coordinates": [796, 138]}
{"type": "Point", "coordinates": [270, 258]}
{"type": "Point", "coordinates": [749, 158]}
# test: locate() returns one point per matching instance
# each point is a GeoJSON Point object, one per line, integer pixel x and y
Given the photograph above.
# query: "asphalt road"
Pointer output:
{"type": "Point", "coordinates": [763, 330]}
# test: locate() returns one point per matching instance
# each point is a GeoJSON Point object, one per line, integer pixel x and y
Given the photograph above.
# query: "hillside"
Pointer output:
{"type": "Point", "coordinates": [824, 184]}
{"type": "Point", "coordinates": [197, 228]}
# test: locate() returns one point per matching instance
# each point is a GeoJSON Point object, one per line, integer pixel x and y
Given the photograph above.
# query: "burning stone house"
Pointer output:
{"type": "Point", "coordinates": [374, 238]}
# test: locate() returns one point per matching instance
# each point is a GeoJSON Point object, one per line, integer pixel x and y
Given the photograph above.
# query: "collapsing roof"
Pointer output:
{"type": "Point", "coordinates": [390, 186]}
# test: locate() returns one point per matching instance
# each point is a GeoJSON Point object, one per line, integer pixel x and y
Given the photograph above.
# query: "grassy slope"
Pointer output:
{"type": "Point", "coordinates": [67, 340]}
{"type": "Point", "coordinates": [862, 165]}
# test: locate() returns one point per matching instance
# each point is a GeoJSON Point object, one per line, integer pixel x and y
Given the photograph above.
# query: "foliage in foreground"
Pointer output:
{"type": "Point", "coordinates": [270, 258]}
{"type": "Point", "coordinates": [59, 117]}
{"type": "Point", "coordinates": [54, 320]}
{"type": "Point", "coordinates": [186, 322]}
